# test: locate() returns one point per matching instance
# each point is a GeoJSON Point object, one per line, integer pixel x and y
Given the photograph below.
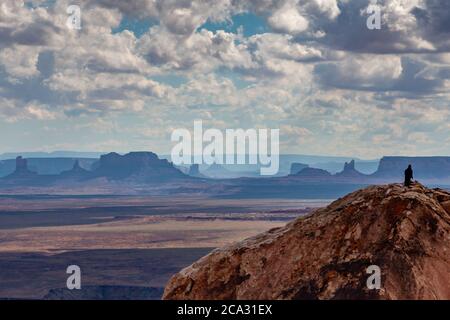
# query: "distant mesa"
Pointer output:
{"type": "Point", "coordinates": [147, 168]}
{"type": "Point", "coordinates": [424, 167]}
{"type": "Point", "coordinates": [297, 167]}
{"type": "Point", "coordinates": [138, 166]}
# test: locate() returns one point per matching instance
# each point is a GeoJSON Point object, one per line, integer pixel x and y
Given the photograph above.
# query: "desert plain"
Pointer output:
{"type": "Point", "coordinates": [121, 242]}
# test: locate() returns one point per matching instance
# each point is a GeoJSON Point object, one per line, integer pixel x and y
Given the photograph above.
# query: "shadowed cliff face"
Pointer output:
{"type": "Point", "coordinates": [424, 167]}
{"type": "Point", "coordinates": [405, 232]}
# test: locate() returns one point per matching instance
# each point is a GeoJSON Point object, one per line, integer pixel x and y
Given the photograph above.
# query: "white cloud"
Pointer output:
{"type": "Point", "coordinates": [40, 112]}
{"type": "Point", "coordinates": [361, 72]}
{"type": "Point", "coordinates": [289, 20]}
{"type": "Point", "coordinates": [279, 46]}
{"type": "Point", "coordinates": [20, 61]}
{"type": "Point", "coordinates": [316, 71]}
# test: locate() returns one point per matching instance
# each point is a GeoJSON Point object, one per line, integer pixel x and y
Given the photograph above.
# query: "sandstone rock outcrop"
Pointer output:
{"type": "Point", "coordinates": [325, 255]}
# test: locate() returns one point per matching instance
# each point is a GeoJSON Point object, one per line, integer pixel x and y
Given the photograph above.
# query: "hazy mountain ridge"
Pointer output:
{"type": "Point", "coordinates": [139, 167]}
{"type": "Point", "coordinates": [145, 172]}
{"type": "Point", "coordinates": [56, 162]}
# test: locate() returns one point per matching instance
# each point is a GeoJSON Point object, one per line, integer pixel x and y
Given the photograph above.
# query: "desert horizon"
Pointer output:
{"type": "Point", "coordinates": [225, 158]}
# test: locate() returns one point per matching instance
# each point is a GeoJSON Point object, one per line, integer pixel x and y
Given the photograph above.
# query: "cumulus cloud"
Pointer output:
{"type": "Point", "coordinates": [77, 70]}
{"type": "Point", "coordinates": [24, 26]}
{"type": "Point", "coordinates": [20, 61]}
{"type": "Point", "coordinates": [266, 46]}
{"type": "Point", "coordinates": [203, 50]}
{"type": "Point", "coordinates": [366, 72]}
{"type": "Point", "coordinates": [316, 70]}
{"type": "Point", "coordinates": [288, 20]}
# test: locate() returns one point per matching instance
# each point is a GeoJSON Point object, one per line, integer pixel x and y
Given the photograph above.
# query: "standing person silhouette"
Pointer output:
{"type": "Point", "coordinates": [408, 176]}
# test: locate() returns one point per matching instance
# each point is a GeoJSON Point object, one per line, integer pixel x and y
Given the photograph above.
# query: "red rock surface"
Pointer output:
{"type": "Point", "coordinates": [406, 232]}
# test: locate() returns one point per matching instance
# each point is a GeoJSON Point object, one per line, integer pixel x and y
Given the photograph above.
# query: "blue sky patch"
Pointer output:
{"type": "Point", "coordinates": [137, 26]}
{"type": "Point", "coordinates": [172, 80]}
{"type": "Point", "coordinates": [251, 23]}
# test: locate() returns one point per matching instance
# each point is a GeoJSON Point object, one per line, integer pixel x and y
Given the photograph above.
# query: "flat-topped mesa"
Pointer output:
{"type": "Point", "coordinates": [142, 166]}
{"type": "Point", "coordinates": [424, 167]}
{"type": "Point", "coordinates": [326, 255]}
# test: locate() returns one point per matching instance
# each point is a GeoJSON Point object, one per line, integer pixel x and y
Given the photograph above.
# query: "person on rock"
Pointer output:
{"type": "Point", "coordinates": [408, 176]}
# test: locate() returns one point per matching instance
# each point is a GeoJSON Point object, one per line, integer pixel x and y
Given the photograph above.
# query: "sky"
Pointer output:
{"type": "Point", "coordinates": [137, 70]}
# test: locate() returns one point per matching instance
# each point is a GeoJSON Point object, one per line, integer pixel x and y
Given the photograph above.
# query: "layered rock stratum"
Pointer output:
{"type": "Point", "coordinates": [325, 255]}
